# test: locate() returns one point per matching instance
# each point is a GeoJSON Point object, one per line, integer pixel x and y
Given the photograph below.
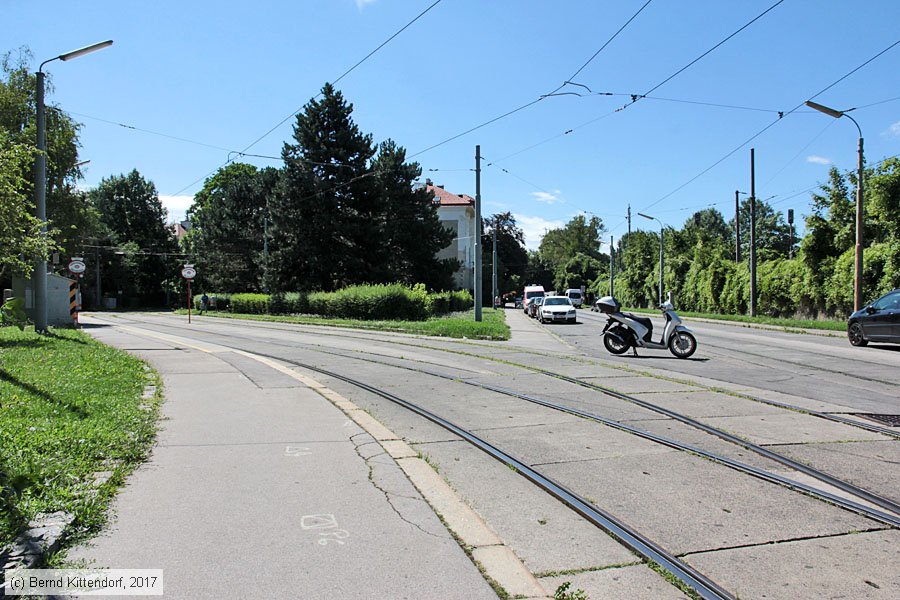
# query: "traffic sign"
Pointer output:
{"type": "Point", "coordinates": [76, 265]}
{"type": "Point", "coordinates": [188, 272]}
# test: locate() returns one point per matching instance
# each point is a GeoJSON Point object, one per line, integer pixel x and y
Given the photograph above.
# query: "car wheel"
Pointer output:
{"type": "Point", "coordinates": [855, 335]}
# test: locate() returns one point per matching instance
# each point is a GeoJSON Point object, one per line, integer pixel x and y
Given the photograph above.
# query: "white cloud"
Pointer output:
{"type": "Point", "coordinates": [534, 229]}
{"type": "Point", "coordinates": [818, 160]}
{"type": "Point", "coordinates": [176, 206]}
{"type": "Point", "coordinates": [360, 4]}
{"type": "Point", "coordinates": [548, 197]}
{"type": "Point", "coordinates": [895, 129]}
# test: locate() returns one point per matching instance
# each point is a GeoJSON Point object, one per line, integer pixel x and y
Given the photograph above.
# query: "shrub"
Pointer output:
{"type": "Point", "coordinates": [441, 303]}
{"type": "Point", "coordinates": [254, 304]}
{"type": "Point", "coordinates": [291, 303]}
{"type": "Point", "coordinates": [217, 301]}
{"type": "Point", "coordinates": [372, 302]}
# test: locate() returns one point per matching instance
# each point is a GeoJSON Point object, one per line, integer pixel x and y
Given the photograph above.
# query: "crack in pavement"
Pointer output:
{"type": "Point", "coordinates": [387, 494]}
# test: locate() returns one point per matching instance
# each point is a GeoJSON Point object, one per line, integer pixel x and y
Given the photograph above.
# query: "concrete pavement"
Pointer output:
{"type": "Point", "coordinates": [259, 487]}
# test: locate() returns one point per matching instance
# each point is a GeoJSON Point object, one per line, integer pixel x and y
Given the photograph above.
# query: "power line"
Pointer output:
{"type": "Point", "coordinates": [766, 128]}
{"type": "Point", "coordinates": [539, 98]}
{"type": "Point", "coordinates": [636, 97]}
{"type": "Point", "coordinates": [347, 72]}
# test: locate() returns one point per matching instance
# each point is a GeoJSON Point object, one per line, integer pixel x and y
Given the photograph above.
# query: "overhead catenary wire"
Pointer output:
{"type": "Point", "coordinates": [767, 127]}
{"type": "Point", "coordinates": [344, 74]}
{"type": "Point", "coordinates": [539, 98]}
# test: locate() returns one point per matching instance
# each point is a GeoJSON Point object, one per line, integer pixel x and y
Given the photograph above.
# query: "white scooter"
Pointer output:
{"type": "Point", "coordinates": [625, 330]}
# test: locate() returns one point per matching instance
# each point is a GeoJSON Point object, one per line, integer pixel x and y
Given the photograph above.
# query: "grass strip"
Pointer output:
{"type": "Point", "coordinates": [460, 325]}
{"type": "Point", "coordinates": [759, 320]}
{"type": "Point", "coordinates": [70, 408]}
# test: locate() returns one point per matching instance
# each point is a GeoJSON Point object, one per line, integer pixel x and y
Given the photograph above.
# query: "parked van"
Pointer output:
{"type": "Point", "coordinates": [575, 296]}
{"type": "Point", "coordinates": [532, 291]}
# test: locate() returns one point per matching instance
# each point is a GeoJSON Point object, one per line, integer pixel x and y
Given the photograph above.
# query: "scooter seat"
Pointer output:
{"type": "Point", "coordinates": [646, 322]}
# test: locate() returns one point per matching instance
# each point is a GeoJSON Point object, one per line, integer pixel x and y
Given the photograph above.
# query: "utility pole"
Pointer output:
{"type": "Point", "coordinates": [737, 227]}
{"type": "Point", "coordinates": [478, 233]}
{"type": "Point", "coordinates": [752, 233]}
{"type": "Point", "coordinates": [494, 261]}
{"type": "Point", "coordinates": [791, 225]}
{"type": "Point", "coordinates": [97, 287]}
{"type": "Point", "coordinates": [612, 267]}
{"type": "Point", "coordinates": [629, 219]}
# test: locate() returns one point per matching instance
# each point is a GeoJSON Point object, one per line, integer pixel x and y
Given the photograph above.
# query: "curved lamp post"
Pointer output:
{"type": "Point", "coordinates": [39, 278]}
{"type": "Point", "coordinates": [661, 228]}
{"type": "Point", "coordinates": [858, 264]}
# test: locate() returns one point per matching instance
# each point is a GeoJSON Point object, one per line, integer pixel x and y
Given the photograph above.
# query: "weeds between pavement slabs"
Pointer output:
{"type": "Point", "coordinates": [73, 424]}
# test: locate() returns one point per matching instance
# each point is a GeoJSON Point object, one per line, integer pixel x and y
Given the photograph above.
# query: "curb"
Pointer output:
{"type": "Point", "coordinates": [498, 563]}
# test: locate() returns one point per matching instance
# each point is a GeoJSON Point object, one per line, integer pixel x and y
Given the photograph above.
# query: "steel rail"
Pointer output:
{"type": "Point", "coordinates": [883, 517]}
{"type": "Point", "coordinates": [650, 550]}
{"type": "Point", "coordinates": [814, 473]}
{"type": "Point", "coordinates": [788, 462]}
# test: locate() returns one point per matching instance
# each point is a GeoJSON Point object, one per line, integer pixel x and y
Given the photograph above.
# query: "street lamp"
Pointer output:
{"type": "Point", "coordinates": [858, 264]}
{"type": "Point", "coordinates": [39, 278]}
{"type": "Point", "coordinates": [661, 227]}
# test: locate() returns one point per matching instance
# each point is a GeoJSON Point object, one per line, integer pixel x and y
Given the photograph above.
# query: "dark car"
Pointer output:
{"type": "Point", "coordinates": [877, 322]}
{"type": "Point", "coordinates": [534, 306]}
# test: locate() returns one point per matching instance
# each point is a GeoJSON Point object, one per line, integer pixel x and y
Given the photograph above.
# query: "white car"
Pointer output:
{"type": "Point", "coordinates": [556, 309]}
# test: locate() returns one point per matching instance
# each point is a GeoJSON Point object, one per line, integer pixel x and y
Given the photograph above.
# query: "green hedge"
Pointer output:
{"type": "Point", "coordinates": [216, 301]}
{"type": "Point", "coordinates": [360, 302]}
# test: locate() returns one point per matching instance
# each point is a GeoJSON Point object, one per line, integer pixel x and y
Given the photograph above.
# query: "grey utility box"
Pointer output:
{"type": "Point", "coordinates": [57, 298]}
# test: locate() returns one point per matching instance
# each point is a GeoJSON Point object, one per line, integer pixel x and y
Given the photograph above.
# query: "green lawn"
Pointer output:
{"type": "Point", "coordinates": [70, 408]}
{"type": "Point", "coordinates": [761, 320]}
{"type": "Point", "coordinates": [455, 325]}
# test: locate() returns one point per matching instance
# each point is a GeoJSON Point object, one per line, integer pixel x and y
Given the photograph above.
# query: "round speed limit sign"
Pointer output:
{"type": "Point", "coordinates": [188, 272]}
{"type": "Point", "coordinates": [76, 266]}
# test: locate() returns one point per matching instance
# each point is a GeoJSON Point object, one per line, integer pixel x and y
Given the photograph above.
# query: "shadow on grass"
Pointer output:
{"type": "Point", "coordinates": [63, 338]}
{"type": "Point", "coordinates": [35, 342]}
{"type": "Point", "coordinates": [36, 391]}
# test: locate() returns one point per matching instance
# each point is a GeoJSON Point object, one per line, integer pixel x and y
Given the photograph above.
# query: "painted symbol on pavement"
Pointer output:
{"type": "Point", "coordinates": [327, 528]}
{"type": "Point", "coordinates": [297, 451]}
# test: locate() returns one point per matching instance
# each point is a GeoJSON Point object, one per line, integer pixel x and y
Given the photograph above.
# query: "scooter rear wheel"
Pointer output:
{"type": "Point", "coordinates": [682, 344]}
{"type": "Point", "coordinates": [615, 346]}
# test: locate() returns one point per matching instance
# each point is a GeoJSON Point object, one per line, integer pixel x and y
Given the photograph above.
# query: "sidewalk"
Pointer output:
{"type": "Point", "coordinates": [259, 487]}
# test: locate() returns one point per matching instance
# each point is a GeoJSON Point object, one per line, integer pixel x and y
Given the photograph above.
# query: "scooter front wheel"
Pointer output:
{"type": "Point", "coordinates": [614, 345]}
{"type": "Point", "coordinates": [682, 344]}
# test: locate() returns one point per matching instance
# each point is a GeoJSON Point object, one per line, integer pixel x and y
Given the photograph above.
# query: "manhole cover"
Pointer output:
{"type": "Point", "coordinates": [892, 420]}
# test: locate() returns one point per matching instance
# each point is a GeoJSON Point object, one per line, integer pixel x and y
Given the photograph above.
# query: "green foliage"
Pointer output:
{"type": "Point", "coordinates": [21, 242]}
{"type": "Point", "coordinates": [360, 302]}
{"type": "Point", "coordinates": [579, 235]}
{"type": "Point", "coordinates": [134, 223]}
{"type": "Point", "coordinates": [69, 407]}
{"type": "Point", "coordinates": [253, 304]}
{"type": "Point", "coordinates": [228, 223]}
{"type": "Point", "coordinates": [71, 217]}
{"type": "Point", "coordinates": [512, 257]}
{"type": "Point", "coordinates": [13, 313]}
{"type": "Point", "coordinates": [563, 593]}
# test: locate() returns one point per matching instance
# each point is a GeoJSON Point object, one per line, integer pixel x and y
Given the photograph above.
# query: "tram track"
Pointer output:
{"type": "Point", "coordinates": [856, 491]}
{"type": "Point", "coordinates": [725, 350]}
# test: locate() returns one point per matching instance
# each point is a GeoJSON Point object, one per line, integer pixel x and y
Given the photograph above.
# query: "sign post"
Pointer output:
{"type": "Point", "coordinates": [189, 272]}
{"type": "Point", "coordinates": [76, 268]}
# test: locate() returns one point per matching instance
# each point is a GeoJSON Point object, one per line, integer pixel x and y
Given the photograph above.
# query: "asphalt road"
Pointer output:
{"type": "Point", "coordinates": [821, 366]}
{"type": "Point", "coordinates": [755, 538]}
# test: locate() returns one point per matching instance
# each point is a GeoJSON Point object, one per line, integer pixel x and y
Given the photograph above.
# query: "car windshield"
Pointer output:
{"type": "Point", "coordinates": [530, 295]}
{"type": "Point", "coordinates": [556, 301]}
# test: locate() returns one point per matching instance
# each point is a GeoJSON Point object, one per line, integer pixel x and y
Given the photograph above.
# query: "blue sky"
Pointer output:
{"type": "Point", "coordinates": [223, 73]}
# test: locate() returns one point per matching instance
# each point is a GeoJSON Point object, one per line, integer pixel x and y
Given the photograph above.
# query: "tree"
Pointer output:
{"type": "Point", "coordinates": [404, 233]}
{"type": "Point", "coordinates": [226, 239]}
{"type": "Point", "coordinates": [772, 233]}
{"type": "Point", "coordinates": [320, 210]}
{"type": "Point", "coordinates": [578, 235]}
{"type": "Point", "coordinates": [341, 217]}
{"type": "Point", "coordinates": [68, 211]}
{"type": "Point", "coordinates": [512, 258]}
{"type": "Point", "coordinates": [21, 242]}
{"type": "Point", "coordinates": [134, 224]}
